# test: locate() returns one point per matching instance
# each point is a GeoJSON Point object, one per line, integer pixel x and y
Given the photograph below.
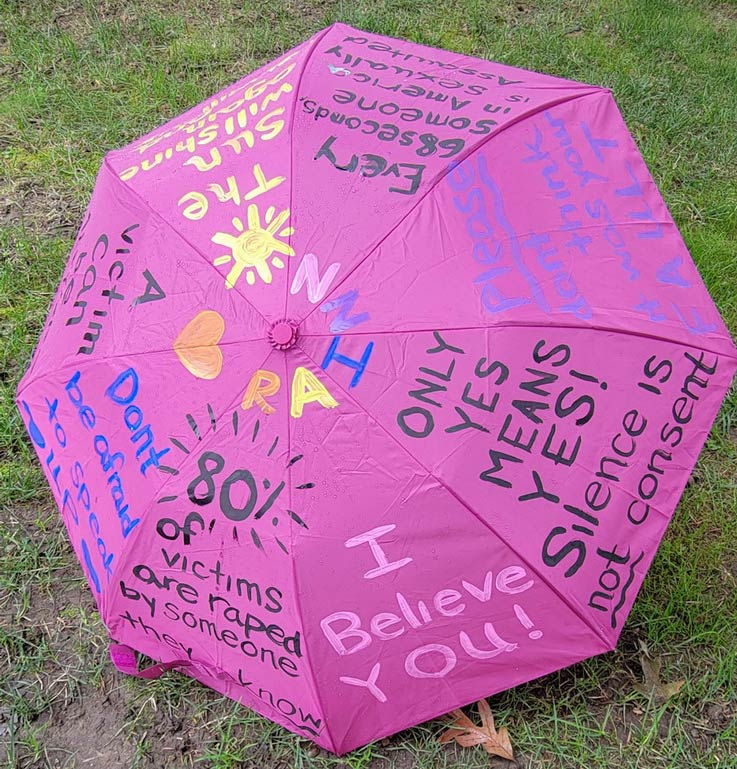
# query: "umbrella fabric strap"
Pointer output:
{"type": "Point", "coordinates": [124, 659]}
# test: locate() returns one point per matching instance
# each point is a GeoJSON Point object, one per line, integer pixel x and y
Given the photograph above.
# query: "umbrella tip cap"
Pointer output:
{"type": "Point", "coordinates": [283, 334]}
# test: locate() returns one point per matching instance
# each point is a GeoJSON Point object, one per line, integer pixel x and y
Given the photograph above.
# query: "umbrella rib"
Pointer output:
{"type": "Point", "coordinates": [149, 509]}
{"type": "Point", "coordinates": [159, 216]}
{"type": "Point", "coordinates": [294, 532]}
{"type": "Point", "coordinates": [574, 608]}
{"type": "Point", "coordinates": [27, 382]}
{"type": "Point", "coordinates": [731, 353]}
{"type": "Point", "coordinates": [442, 174]}
{"type": "Point", "coordinates": [319, 38]}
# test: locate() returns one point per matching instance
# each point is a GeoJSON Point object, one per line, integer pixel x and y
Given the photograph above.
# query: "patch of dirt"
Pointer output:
{"type": "Point", "coordinates": [73, 19]}
{"type": "Point", "coordinates": [723, 14]}
{"type": "Point", "coordinates": [89, 731]}
{"type": "Point", "coordinates": [716, 718]}
{"type": "Point", "coordinates": [101, 728]}
{"type": "Point", "coordinates": [43, 211]}
{"type": "Point", "coordinates": [73, 716]}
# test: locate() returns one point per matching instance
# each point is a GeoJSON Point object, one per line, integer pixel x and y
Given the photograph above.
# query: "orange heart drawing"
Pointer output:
{"type": "Point", "coordinates": [197, 345]}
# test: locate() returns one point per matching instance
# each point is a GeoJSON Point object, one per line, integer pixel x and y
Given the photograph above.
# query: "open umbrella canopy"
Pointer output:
{"type": "Point", "coordinates": [372, 383]}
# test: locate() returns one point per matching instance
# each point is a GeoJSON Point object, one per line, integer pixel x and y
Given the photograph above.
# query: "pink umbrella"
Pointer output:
{"type": "Point", "coordinates": [372, 383]}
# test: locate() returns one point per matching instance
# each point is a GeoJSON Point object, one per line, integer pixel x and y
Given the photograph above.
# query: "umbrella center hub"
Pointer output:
{"type": "Point", "coordinates": [283, 334]}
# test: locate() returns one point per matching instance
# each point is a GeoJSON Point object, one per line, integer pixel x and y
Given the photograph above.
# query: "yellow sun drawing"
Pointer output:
{"type": "Point", "coordinates": [252, 247]}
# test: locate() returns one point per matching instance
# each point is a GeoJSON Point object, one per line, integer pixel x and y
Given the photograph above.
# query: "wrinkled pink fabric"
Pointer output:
{"type": "Point", "coordinates": [372, 383]}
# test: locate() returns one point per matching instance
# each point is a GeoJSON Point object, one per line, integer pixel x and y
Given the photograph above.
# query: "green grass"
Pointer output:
{"type": "Point", "coordinates": [78, 78]}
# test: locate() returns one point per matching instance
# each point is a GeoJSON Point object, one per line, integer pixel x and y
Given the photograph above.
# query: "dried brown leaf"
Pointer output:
{"type": "Point", "coordinates": [487, 717]}
{"type": "Point", "coordinates": [505, 744]}
{"type": "Point", "coordinates": [460, 722]}
{"type": "Point", "coordinates": [470, 739]}
{"type": "Point", "coordinates": [467, 734]}
{"type": "Point", "coordinates": [653, 686]}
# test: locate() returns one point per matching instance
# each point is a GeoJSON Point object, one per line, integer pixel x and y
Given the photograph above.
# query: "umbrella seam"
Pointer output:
{"type": "Point", "coordinates": [148, 507]}
{"type": "Point", "coordinates": [297, 605]}
{"type": "Point", "coordinates": [575, 608]}
{"type": "Point", "coordinates": [667, 516]}
{"type": "Point", "coordinates": [160, 216]}
{"type": "Point", "coordinates": [24, 385]}
{"type": "Point", "coordinates": [732, 355]}
{"type": "Point", "coordinates": [319, 38]}
{"type": "Point", "coordinates": [295, 586]}
{"type": "Point", "coordinates": [410, 630]}
{"type": "Point", "coordinates": [674, 326]}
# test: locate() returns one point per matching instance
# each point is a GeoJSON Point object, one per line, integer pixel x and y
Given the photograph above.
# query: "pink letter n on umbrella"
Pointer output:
{"type": "Point", "coordinates": [372, 383]}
